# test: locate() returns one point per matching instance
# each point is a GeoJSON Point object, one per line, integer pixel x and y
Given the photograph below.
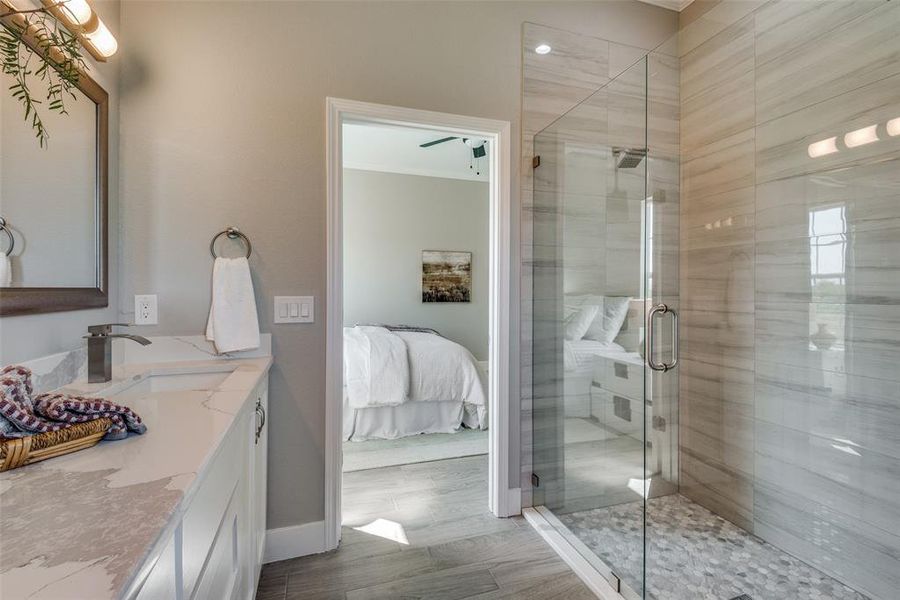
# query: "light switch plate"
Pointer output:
{"type": "Point", "coordinates": [145, 310]}
{"type": "Point", "coordinates": [295, 309]}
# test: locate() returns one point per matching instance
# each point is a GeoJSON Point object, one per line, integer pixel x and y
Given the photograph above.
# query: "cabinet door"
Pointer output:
{"type": "Point", "coordinates": [162, 582]}
{"type": "Point", "coordinates": [204, 515]}
{"type": "Point", "coordinates": [222, 573]}
{"type": "Point", "coordinates": [262, 468]}
{"type": "Point", "coordinates": [259, 475]}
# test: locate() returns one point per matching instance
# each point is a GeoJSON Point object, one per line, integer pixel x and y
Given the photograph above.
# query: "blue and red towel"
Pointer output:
{"type": "Point", "coordinates": [21, 414]}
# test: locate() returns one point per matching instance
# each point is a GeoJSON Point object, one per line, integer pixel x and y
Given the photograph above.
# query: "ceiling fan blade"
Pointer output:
{"type": "Point", "coordinates": [435, 142]}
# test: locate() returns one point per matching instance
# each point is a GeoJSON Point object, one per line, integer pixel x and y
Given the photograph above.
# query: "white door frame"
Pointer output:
{"type": "Point", "coordinates": [503, 501]}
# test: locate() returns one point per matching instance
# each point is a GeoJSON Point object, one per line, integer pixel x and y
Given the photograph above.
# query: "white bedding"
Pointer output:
{"type": "Point", "coordinates": [376, 367]}
{"type": "Point", "coordinates": [581, 353]}
{"type": "Point", "coordinates": [443, 383]}
{"type": "Point", "coordinates": [412, 418]}
{"type": "Point", "coordinates": [441, 370]}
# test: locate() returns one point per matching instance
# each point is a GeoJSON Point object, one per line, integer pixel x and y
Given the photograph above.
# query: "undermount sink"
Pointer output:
{"type": "Point", "coordinates": [177, 382]}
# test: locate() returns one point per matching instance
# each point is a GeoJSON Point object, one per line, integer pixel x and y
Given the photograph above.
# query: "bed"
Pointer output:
{"type": "Point", "coordinates": [403, 383]}
{"type": "Point", "coordinates": [608, 334]}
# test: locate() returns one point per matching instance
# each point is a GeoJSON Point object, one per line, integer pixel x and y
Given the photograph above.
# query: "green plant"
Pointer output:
{"type": "Point", "coordinates": [35, 46]}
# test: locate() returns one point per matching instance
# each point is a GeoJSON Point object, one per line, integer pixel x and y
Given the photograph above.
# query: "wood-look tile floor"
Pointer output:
{"type": "Point", "coordinates": [445, 544]}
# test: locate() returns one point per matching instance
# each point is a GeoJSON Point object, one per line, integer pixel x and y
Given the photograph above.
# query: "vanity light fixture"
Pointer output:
{"type": "Point", "coordinates": [543, 49]}
{"type": "Point", "coordinates": [81, 19]}
{"type": "Point", "coordinates": [861, 137]}
{"type": "Point", "coordinates": [893, 127]}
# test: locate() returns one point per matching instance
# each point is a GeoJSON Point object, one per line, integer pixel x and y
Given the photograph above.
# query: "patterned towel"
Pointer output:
{"type": "Point", "coordinates": [55, 411]}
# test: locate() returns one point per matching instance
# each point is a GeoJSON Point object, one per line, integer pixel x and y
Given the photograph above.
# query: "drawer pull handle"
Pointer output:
{"type": "Point", "coordinates": [260, 419]}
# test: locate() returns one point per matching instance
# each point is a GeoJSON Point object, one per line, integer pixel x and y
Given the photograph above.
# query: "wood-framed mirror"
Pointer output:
{"type": "Point", "coordinates": [54, 202]}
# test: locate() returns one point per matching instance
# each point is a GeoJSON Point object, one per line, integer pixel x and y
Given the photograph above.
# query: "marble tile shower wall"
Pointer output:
{"type": "Point", "coordinates": [790, 278]}
{"type": "Point", "coordinates": [552, 84]}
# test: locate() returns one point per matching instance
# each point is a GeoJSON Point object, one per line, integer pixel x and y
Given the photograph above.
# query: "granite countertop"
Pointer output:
{"type": "Point", "coordinates": [79, 526]}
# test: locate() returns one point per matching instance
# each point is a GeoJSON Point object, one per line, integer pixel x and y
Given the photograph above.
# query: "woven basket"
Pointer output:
{"type": "Point", "coordinates": [18, 452]}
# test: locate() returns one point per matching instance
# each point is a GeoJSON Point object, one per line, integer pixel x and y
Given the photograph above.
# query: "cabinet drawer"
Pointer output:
{"type": "Point", "coordinates": [619, 413]}
{"type": "Point", "coordinates": [625, 379]}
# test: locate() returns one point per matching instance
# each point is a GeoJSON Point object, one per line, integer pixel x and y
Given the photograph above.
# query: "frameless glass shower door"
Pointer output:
{"type": "Point", "coordinates": [604, 419]}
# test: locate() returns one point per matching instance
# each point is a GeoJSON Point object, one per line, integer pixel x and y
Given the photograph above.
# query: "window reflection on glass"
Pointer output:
{"type": "Point", "coordinates": [828, 268]}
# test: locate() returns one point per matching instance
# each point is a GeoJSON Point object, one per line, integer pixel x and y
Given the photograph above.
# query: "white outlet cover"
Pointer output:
{"type": "Point", "coordinates": [145, 309]}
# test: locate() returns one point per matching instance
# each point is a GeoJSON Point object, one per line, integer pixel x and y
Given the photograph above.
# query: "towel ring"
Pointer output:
{"type": "Point", "coordinates": [12, 240]}
{"type": "Point", "coordinates": [232, 233]}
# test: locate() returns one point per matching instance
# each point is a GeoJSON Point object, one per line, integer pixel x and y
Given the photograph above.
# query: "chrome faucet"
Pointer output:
{"type": "Point", "coordinates": [99, 341]}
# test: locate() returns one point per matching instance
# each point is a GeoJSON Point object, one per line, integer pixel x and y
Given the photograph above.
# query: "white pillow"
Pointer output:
{"type": "Point", "coordinates": [580, 321]}
{"type": "Point", "coordinates": [609, 319]}
{"type": "Point", "coordinates": [607, 325]}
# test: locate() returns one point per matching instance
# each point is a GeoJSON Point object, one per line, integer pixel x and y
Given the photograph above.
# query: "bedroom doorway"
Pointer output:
{"type": "Point", "coordinates": [419, 315]}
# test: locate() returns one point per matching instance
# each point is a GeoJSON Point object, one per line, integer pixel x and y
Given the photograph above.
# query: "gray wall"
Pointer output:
{"type": "Point", "coordinates": [23, 338]}
{"type": "Point", "coordinates": [223, 122]}
{"type": "Point", "coordinates": [791, 435]}
{"type": "Point", "coordinates": [388, 220]}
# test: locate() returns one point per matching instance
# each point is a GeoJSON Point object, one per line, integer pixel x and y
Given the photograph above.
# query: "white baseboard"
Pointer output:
{"type": "Point", "coordinates": [298, 540]}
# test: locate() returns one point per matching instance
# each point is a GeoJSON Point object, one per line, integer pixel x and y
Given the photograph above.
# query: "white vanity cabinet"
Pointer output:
{"type": "Point", "coordinates": [213, 547]}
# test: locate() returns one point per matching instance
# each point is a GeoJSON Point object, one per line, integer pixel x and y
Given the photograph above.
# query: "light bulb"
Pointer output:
{"type": "Point", "coordinates": [861, 137]}
{"type": "Point", "coordinates": [543, 49]}
{"type": "Point", "coordinates": [79, 11]}
{"type": "Point", "coordinates": [823, 147]}
{"type": "Point", "coordinates": [102, 39]}
{"type": "Point", "coordinates": [893, 127]}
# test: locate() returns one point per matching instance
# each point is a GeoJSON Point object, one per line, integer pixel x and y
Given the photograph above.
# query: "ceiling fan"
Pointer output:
{"type": "Point", "coordinates": [477, 146]}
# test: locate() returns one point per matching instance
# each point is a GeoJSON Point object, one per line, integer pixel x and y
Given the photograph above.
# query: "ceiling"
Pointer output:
{"type": "Point", "coordinates": [676, 5]}
{"type": "Point", "coordinates": [395, 149]}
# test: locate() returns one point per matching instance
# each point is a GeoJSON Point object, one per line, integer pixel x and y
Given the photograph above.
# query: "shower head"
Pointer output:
{"type": "Point", "coordinates": [629, 158]}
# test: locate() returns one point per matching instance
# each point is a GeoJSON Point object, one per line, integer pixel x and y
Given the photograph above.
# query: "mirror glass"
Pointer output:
{"type": "Point", "coordinates": [49, 195]}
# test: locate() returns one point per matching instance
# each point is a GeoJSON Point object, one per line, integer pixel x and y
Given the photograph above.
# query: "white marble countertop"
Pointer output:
{"type": "Point", "coordinates": [78, 526]}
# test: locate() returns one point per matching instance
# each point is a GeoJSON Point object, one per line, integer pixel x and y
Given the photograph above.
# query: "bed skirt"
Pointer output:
{"type": "Point", "coordinates": [412, 418]}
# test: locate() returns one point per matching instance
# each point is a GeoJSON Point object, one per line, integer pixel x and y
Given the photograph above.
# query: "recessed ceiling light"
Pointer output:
{"type": "Point", "coordinates": [543, 49]}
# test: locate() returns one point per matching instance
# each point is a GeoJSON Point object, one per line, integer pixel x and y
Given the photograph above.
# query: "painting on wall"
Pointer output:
{"type": "Point", "coordinates": [446, 276]}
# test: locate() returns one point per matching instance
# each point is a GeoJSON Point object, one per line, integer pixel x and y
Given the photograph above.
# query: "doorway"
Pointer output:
{"type": "Point", "coordinates": [501, 368]}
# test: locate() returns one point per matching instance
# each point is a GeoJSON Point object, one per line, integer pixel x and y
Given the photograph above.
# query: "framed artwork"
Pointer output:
{"type": "Point", "coordinates": [446, 276]}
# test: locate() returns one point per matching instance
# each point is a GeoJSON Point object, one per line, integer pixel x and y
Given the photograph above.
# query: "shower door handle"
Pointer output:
{"type": "Point", "coordinates": [661, 309]}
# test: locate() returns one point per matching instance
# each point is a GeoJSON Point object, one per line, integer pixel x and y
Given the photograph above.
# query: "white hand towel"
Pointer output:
{"type": "Point", "coordinates": [5, 270]}
{"type": "Point", "coordinates": [233, 324]}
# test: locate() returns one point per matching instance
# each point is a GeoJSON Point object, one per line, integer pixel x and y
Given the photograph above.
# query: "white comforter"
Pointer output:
{"type": "Point", "coordinates": [435, 370]}
{"type": "Point", "coordinates": [376, 368]}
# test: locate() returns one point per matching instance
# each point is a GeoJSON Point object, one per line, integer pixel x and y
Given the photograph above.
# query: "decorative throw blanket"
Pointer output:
{"type": "Point", "coordinates": [22, 415]}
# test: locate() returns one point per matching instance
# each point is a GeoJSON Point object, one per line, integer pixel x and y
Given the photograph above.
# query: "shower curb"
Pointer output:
{"type": "Point", "coordinates": [585, 571]}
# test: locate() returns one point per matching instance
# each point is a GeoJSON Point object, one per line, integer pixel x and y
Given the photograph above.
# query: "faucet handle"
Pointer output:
{"type": "Point", "coordinates": [104, 329]}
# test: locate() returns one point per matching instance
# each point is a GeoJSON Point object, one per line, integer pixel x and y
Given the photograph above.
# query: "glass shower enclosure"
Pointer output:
{"type": "Point", "coordinates": [606, 316]}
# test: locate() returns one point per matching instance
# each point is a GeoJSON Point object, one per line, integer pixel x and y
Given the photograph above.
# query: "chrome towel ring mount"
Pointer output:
{"type": "Point", "coordinates": [12, 241]}
{"type": "Point", "coordinates": [233, 233]}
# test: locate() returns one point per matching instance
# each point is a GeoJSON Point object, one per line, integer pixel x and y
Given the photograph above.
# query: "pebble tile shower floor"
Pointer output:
{"type": "Point", "coordinates": [693, 554]}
